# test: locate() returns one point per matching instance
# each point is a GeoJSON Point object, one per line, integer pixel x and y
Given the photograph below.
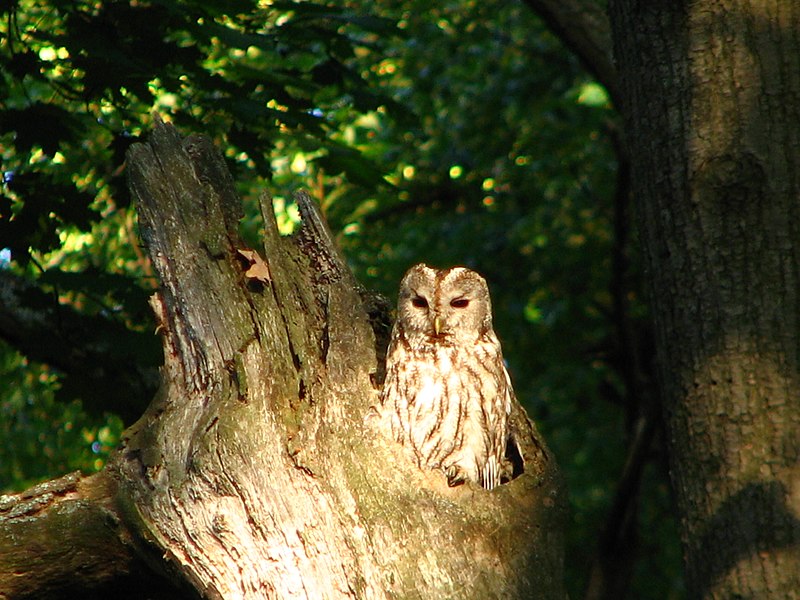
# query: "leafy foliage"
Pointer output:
{"type": "Point", "coordinates": [460, 133]}
{"type": "Point", "coordinates": [42, 437]}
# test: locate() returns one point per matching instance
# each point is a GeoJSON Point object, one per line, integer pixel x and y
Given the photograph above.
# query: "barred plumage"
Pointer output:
{"type": "Point", "coordinates": [447, 393]}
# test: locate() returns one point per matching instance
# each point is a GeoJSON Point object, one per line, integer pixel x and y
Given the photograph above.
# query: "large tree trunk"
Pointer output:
{"type": "Point", "coordinates": [256, 471]}
{"type": "Point", "coordinates": [710, 93]}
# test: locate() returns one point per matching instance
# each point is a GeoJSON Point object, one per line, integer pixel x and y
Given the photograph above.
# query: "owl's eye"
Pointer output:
{"type": "Point", "coordinates": [419, 302]}
{"type": "Point", "coordinates": [459, 303]}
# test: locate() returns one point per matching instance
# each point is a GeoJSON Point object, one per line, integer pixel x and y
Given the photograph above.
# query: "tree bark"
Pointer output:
{"type": "Point", "coordinates": [257, 470]}
{"type": "Point", "coordinates": [710, 99]}
{"type": "Point", "coordinates": [64, 539]}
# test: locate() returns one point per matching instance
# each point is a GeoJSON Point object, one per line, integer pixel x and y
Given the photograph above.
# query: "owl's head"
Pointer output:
{"type": "Point", "coordinates": [450, 305]}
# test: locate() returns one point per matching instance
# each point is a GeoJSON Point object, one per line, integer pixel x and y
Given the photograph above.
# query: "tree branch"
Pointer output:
{"type": "Point", "coordinates": [611, 568]}
{"type": "Point", "coordinates": [584, 28]}
{"type": "Point", "coordinates": [64, 538]}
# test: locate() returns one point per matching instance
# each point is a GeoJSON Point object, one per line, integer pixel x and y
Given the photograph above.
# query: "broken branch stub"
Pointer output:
{"type": "Point", "coordinates": [255, 472]}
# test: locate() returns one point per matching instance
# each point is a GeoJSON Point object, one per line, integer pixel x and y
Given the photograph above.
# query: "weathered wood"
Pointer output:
{"type": "Point", "coordinates": [255, 471]}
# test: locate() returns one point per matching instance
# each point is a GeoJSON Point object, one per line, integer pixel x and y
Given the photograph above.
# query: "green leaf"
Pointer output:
{"type": "Point", "coordinates": [45, 206]}
{"type": "Point", "coordinates": [358, 169]}
{"type": "Point", "coordinates": [593, 94]}
{"type": "Point", "coordinates": [45, 126]}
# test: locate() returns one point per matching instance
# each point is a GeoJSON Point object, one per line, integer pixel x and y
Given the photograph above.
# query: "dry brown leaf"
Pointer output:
{"type": "Point", "coordinates": [259, 269]}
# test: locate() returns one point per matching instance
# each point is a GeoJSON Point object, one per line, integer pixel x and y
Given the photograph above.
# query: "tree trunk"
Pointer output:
{"type": "Point", "coordinates": [710, 98]}
{"type": "Point", "coordinates": [256, 471]}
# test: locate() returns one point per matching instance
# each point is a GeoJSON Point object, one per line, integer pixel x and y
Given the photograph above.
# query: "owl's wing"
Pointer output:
{"type": "Point", "coordinates": [513, 458]}
{"type": "Point", "coordinates": [510, 398]}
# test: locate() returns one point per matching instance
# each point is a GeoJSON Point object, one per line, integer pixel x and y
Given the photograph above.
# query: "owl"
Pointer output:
{"type": "Point", "coordinates": [447, 394]}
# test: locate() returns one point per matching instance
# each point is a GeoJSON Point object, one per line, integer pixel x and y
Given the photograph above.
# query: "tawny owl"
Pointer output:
{"type": "Point", "coordinates": [447, 393]}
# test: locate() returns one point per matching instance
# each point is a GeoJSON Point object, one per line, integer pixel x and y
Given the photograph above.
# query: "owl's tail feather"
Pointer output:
{"type": "Point", "coordinates": [490, 474]}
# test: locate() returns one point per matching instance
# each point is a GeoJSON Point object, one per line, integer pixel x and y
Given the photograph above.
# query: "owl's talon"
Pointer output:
{"type": "Point", "coordinates": [455, 475]}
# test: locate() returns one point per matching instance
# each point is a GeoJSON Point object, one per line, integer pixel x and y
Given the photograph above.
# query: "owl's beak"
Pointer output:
{"type": "Point", "coordinates": [437, 325]}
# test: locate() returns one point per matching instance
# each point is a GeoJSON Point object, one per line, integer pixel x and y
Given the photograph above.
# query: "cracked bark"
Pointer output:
{"type": "Point", "coordinates": [64, 538]}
